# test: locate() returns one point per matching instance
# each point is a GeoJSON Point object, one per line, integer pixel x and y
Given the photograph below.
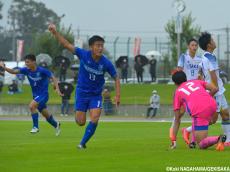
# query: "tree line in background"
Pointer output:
{"type": "Point", "coordinates": [28, 20]}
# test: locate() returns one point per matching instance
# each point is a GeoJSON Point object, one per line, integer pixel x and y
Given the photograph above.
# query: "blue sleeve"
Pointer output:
{"type": "Point", "coordinates": [213, 62]}
{"type": "Point", "coordinates": [80, 52]}
{"type": "Point", "coordinates": [23, 70]}
{"type": "Point", "coordinates": [111, 69]}
{"type": "Point", "coordinates": [47, 73]}
{"type": "Point", "coordinates": [181, 61]}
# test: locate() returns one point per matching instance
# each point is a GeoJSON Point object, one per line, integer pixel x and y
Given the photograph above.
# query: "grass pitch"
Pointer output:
{"type": "Point", "coordinates": [116, 147]}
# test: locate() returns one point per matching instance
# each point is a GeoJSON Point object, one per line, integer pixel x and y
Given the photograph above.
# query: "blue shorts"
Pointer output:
{"type": "Point", "coordinates": [41, 100]}
{"type": "Point", "coordinates": [83, 103]}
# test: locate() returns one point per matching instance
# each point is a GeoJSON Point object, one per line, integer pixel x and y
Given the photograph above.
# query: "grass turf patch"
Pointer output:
{"type": "Point", "coordinates": [116, 147]}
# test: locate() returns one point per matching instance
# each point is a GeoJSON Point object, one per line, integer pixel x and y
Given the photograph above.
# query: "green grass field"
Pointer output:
{"type": "Point", "coordinates": [130, 94]}
{"type": "Point", "coordinates": [116, 147]}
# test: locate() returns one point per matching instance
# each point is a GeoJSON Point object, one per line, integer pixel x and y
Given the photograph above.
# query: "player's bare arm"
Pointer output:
{"type": "Point", "coordinates": [212, 88]}
{"type": "Point", "coordinates": [175, 128]}
{"type": "Point", "coordinates": [55, 82]}
{"type": "Point", "coordinates": [213, 78]}
{"type": "Point", "coordinates": [117, 87]}
{"type": "Point", "coordinates": [12, 71]}
{"type": "Point", "coordinates": [60, 38]}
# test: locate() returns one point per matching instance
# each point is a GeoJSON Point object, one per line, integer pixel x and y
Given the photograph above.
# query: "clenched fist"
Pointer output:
{"type": "Point", "coordinates": [52, 28]}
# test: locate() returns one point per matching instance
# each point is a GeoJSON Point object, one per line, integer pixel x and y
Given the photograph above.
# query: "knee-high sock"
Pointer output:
{"type": "Point", "coordinates": [189, 129]}
{"type": "Point", "coordinates": [52, 121]}
{"type": "Point", "coordinates": [193, 139]}
{"type": "Point", "coordinates": [89, 131]}
{"type": "Point", "coordinates": [226, 127]}
{"type": "Point", "coordinates": [208, 141]}
{"type": "Point", "coordinates": [35, 119]}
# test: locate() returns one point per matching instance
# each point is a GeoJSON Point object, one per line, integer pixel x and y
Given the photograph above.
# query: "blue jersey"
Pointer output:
{"type": "Point", "coordinates": [39, 79]}
{"type": "Point", "coordinates": [91, 73]}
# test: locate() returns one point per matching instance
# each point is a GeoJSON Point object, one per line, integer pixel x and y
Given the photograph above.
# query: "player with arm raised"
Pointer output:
{"type": "Point", "coordinates": [93, 65]}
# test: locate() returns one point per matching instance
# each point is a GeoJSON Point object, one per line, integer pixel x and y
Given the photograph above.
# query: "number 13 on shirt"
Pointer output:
{"type": "Point", "coordinates": [92, 77]}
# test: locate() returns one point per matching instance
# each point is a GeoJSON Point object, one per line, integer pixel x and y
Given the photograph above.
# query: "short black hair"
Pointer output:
{"type": "Point", "coordinates": [191, 40]}
{"type": "Point", "coordinates": [204, 40]}
{"type": "Point", "coordinates": [95, 38]}
{"type": "Point", "coordinates": [31, 57]}
{"type": "Point", "coordinates": [179, 77]}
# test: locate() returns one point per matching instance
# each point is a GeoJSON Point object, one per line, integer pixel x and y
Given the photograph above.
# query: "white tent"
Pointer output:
{"type": "Point", "coordinates": [9, 77]}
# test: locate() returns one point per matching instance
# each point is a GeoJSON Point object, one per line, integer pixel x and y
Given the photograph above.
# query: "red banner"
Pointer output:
{"type": "Point", "coordinates": [20, 46]}
{"type": "Point", "coordinates": [137, 46]}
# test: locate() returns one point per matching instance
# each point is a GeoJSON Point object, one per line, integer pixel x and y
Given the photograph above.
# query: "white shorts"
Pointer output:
{"type": "Point", "coordinates": [221, 102]}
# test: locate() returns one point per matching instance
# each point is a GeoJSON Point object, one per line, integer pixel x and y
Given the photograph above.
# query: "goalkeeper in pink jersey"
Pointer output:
{"type": "Point", "coordinates": [201, 106]}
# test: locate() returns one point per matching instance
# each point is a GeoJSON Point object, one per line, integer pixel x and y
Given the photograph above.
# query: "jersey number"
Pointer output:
{"type": "Point", "coordinates": [192, 72]}
{"type": "Point", "coordinates": [92, 77]}
{"type": "Point", "coordinates": [190, 88]}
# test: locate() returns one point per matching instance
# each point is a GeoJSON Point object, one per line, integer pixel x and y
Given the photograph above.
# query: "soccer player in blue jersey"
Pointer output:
{"type": "Point", "coordinates": [39, 80]}
{"type": "Point", "coordinates": [93, 65]}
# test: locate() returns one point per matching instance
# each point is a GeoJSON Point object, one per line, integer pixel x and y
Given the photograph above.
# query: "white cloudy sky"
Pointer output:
{"type": "Point", "coordinates": [133, 15]}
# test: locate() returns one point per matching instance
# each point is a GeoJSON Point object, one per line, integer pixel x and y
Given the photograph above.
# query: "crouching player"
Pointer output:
{"type": "Point", "coordinates": [201, 107]}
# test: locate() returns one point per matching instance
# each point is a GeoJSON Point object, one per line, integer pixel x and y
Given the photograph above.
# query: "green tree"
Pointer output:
{"type": "Point", "coordinates": [28, 16]}
{"type": "Point", "coordinates": [46, 43]}
{"type": "Point", "coordinates": [1, 5]}
{"type": "Point", "coordinates": [189, 31]}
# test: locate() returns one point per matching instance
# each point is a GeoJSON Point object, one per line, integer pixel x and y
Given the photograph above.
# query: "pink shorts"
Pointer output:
{"type": "Point", "coordinates": [201, 121]}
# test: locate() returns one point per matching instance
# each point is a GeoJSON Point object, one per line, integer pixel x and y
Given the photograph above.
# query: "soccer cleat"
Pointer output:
{"type": "Point", "coordinates": [227, 144]}
{"type": "Point", "coordinates": [34, 130]}
{"type": "Point", "coordinates": [220, 144]}
{"type": "Point", "coordinates": [81, 146]}
{"type": "Point", "coordinates": [185, 135]}
{"type": "Point", "coordinates": [58, 129]}
{"type": "Point", "coordinates": [192, 145]}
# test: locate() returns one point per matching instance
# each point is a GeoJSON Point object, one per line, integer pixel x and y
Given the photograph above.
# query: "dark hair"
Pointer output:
{"type": "Point", "coordinates": [30, 57]}
{"type": "Point", "coordinates": [95, 38]}
{"type": "Point", "coordinates": [191, 40]}
{"type": "Point", "coordinates": [179, 77]}
{"type": "Point", "coordinates": [204, 40]}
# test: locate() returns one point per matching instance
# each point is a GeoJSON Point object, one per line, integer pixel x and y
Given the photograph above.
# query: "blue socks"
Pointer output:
{"type": "Point", "coordinates": [51, 120]}
{"type": "Point", "coordinates": [35, 119]}
{"type": "Point", "coordinates": [89, 131]}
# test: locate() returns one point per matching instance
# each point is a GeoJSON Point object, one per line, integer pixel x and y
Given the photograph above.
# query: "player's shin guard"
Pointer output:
{"type": "Point", "coordinates": [52, 121]}
{"type": "Point", "coordinates": [226, 127]}
{"type": "Point", "coordinates": [35, 119]}
{"type": "Point", "coordinates": [208, 141]}
{"type": "Point", "coordinates": [89, 131]}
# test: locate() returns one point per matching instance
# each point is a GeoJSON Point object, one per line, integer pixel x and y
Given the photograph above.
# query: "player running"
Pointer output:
{"type": "Point", "coordinates": [93, 65]}
{"type": "Point", "coordinates": [39, 80]}
{"type": "Point", "coordinates": [201, 107]}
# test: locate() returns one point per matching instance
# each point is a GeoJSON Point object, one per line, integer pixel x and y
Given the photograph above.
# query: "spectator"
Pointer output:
{"type": "Point", "coordinates": [107, 102]}
{"type": "Point", "coordinates": [63, 70]}
{"type": "Point", "coordinates": [124, 71]}
{"type": "Point", "coordinates": [152, 69]}
{"type": "Point", "coordinates": [2, 74]}
{"type": "Point", "coordinates": [154, 104]}
{"type": "Point", "coordinates": [67, 90]}
{"type": "Point", "coordinates": [139, 70]}
{"type": "Point", "coordinates": [13, 88]}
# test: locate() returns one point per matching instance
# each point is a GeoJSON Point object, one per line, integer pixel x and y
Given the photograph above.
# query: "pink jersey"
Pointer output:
{"type": "Point", "coordinates": [194, 97]}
